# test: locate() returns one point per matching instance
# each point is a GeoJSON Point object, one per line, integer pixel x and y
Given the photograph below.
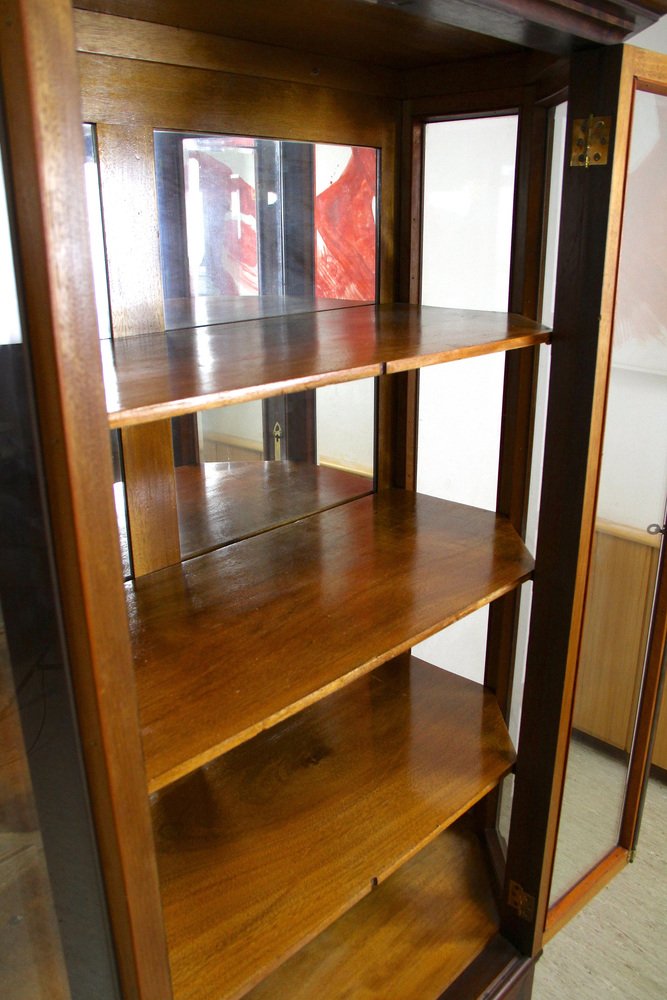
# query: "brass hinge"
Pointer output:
{"type": "Point", "coordinates": [520, 901]}
{"type": "Point", "coordinates": [590, 141]}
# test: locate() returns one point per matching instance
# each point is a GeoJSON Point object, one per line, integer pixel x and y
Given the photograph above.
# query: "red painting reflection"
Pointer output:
{"type": "Point", "coordinates": [345, 231]}
{"type": "Point", "coordinates": [230, 222]}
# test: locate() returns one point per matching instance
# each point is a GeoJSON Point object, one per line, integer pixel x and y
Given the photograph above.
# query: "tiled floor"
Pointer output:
{"type": "Point", "coordinates": [617, 945]}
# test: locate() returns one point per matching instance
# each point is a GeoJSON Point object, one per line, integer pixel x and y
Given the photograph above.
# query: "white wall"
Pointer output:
{"type": "Point", "coordinates": [346, 425]}
{"type": "Point", "coordinates": [242, 421]}
{"type": "Point", "coordinates": [653, 38]}
{"type": "Point", "coordinates": [468, 201]}
{"type": "Point", "coordinates": [10, 328]}
{"type": "Point", "coordinates": [633, 482]}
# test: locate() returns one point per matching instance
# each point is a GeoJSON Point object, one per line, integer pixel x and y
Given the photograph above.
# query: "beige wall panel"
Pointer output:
{"type": "Point", "coordinates": [616, 623]}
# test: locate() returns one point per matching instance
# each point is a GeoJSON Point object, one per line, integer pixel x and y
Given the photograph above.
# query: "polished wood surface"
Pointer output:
{"type": "Point", "coordinates": [499, 971]}
{"type": "Point", "coordinates": [223, 502]}
{"type": "Point", "coordinates": [236, 640]}
{"type": "Point", "coordinates": [587, 262]}
{"type": "Point", "coordinates": [375, 35]}
{"type": "Point", "coordinates": [152, 377]}
{"type": "Point", "coordinates": [261, 850]}
{"type": "Point", "coordinates": [106, 34]}
{"type": "Point", "coordinates": [410, 938]}
{"type": "Point", "coordinates": [129, 204]}
{"type": "Point", "coordinates": [44, 147]}
{"type": "Point", "coordinates": [211, 309]}
{"type": "Point", "coordinates": [148, 463]}
{"type": "Point", "coordinates": [420, 33]}
{"type": "Point", "coordinates": [130, 92]}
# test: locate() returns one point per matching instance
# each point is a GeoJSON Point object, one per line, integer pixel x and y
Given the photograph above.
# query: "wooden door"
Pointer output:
{"type": "Point", "coordinates": [602, 101]}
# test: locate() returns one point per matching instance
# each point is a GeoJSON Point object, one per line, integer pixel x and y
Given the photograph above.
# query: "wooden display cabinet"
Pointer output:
{"type": "Point", "coordinates": [287, 802]}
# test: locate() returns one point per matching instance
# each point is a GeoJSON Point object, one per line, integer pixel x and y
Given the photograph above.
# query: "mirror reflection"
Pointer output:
{"type": "Point", "coordinates": [631, 495]}
{"type": "Point", "coordinates": [249, 228]}
{"type": "Point", "coordinates": [268, 462]}
{"type": "Point", "coordinates": [252, 227]}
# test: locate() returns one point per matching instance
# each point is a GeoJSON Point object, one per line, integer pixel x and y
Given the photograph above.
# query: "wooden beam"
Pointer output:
{"type": "Point", "coordinates": [45, 145]}
{"type": "Point", "coordinates": [129, 206]}
{"type": "Point", "coordinates": [580, 350]}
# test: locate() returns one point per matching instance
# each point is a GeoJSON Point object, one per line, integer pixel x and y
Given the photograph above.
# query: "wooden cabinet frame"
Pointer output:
{"type": "Point", "coordinates": [135, 76]}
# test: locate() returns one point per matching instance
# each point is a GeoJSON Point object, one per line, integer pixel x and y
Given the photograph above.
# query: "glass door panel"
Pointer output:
{"type": "Point", "coordinates": [631, 495]}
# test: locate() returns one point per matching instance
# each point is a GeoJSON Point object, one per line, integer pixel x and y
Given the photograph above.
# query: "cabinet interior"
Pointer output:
{"type": "Point", "coordinates": [317, 806]}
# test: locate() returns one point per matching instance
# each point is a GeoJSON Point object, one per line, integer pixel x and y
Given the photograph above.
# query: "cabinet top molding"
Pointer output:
{"type": "Point", "coordinates": [552, 25]}
{"type": "Point", "coordinates": [401, 33]}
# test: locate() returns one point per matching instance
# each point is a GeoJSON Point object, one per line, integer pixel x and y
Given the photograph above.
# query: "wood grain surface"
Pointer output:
{"type": "Point", "coordinates": [148, 462]}
{"type": "Point", "coordinates": [261, 850]}
{"type": "Point", "coordinates": [106, 34]}
{"type": "Point", "coordinates": [41, 101]}
{"type": "Point", "coordinates": [206, 310]}
{"type": "Point", "coordinates": [223, 502]}
{"type": "Point", "coordinates": [150, 377]}
{"type": "Point", "coordinates": [374, 35]}
{"type": "Point", "coordinates": [234, 641]}
{"type": "Point", "coordinates": [129, 204]}
{"type": "Point", "coordinates": [438, 906]}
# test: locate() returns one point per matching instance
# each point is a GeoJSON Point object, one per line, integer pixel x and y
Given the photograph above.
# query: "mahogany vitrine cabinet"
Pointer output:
{"type": "Point", "coordinates": [286, 802]}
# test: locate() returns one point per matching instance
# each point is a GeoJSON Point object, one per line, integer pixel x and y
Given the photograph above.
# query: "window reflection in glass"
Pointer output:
{"type": "Point", "coordinates": [95, 228]}
{"type": "Point", "coordinates": [631, 494]}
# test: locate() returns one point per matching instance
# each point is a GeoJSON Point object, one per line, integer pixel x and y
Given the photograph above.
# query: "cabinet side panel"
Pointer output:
{"type": "Point", "coordinates": [41, 91]}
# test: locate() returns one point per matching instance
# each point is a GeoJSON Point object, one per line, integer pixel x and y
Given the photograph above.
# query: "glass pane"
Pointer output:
{"type": "Point", "coordinates": [31, 957]}
{"type": "Point", "coordinates": [252, 227]}
{"type": "Point", "coordinates": [633, 486]}
{"type": "Point", "coordinates": [53, 931]}
{"type": "Point", "coordinates": [256, 227]}
{"type": "Point", "coordinates": [468, 206]}
{"type": "Point", "coordinates": [272, 461]}
{"type": "Point", "coordinates": [94, 205]}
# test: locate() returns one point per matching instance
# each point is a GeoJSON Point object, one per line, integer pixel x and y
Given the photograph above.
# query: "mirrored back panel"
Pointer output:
{"type": "Point", "coordinates": [253, 227]}
{"type": "Point", "coordinates": [249, 228]}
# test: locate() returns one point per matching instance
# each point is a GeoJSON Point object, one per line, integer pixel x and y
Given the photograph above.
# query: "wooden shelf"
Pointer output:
{"type": "Point", "coordinates": [411, 938]}
{"type": "Point", "coordinates": [232, 642]}
{"type": "Point", "coordinates": [263, 849]}
{"type": "Point", "coordinates": [155, 376]}
{"type": "Point", "coordinates": [223, 502]}
{"type": "Point", "coordinates": [204, 310]}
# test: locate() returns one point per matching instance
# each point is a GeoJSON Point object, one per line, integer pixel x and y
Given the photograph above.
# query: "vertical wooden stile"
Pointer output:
{"type": "Point", "coordinates": [129, 204]}
{"type": "Point", "coordinates": [520, 382]}
{"type": "Point", "coordinates": [45, 146]}
{"type": "Point", "coordinates": [580, 347]}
